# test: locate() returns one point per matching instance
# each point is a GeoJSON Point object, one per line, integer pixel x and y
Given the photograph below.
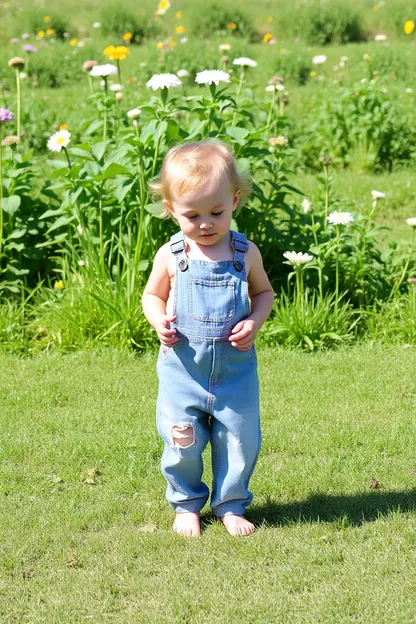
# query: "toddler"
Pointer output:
{"type": "Point", "coordinates": [207, 297]}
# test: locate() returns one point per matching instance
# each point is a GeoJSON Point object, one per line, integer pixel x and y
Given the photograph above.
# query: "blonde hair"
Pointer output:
{"type": "Point", "coordinates": [190, 166]}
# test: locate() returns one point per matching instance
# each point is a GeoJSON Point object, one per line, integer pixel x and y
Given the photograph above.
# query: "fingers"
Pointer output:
{"type": "Point", "coordinates": [241, 334]}
{"type": "Point", "coordinates": [237, 327]}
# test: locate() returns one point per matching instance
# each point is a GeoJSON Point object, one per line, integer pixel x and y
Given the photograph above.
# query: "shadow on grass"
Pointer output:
{"type": "Point", "coordinates": [350, 510]}
{"type": "Point", "coordinates": [353, 510]}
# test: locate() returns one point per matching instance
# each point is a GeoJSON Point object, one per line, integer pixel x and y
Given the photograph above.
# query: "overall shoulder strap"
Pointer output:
{"type": "Point", "coordinates": [177, 247]}
{"type": "Point", "coordinates": [240, 246]}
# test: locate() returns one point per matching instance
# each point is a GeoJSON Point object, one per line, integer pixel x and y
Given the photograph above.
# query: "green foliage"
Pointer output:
{"type": "Point", "coordinates": [394, 321]}
{"type": "Point", "coordinates": [117, 19]}
{"type": "Point", "coordinates": [217, 16]}
{"type": "Point", "coordinates": [361, 120]}
{"type": "Point", "coordinates": [310, 322]}
{"type": "Point", "coordinates": [60, 67]}
{"type": "Point", "coordinates": [293, 67]}
{"type": "Point", "coordinates": [34, 22]}
{"type": "Point", "coordinates": [322, 23]}
{"type": "Point", "coordinates": [22, 226]}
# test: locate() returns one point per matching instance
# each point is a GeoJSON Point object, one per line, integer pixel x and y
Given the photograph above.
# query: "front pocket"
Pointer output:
{"type": "Point", "coordinates": [211, 301]}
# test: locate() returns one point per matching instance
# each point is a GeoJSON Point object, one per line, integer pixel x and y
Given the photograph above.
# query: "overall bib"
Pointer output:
{"type": "Point", "coordinates": [209, 385]}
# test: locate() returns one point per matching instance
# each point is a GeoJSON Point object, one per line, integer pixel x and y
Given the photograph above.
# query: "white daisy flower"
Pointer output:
{"type": "Point", "coordinates": [224, 47]}
{"type": "Point", "coordinates": [184, 40]}
{"type": "Point", "coordinates": [182, 73]}
{"type": "Point", "coordinates": [102, 71]}
{"type": "Point", "coordinates": [275, 87]}
{"type": "Point", "coordinates": [411, 221]}
{"type": "Point", "coordinates": [163, 81]}
{"type": "Point", "coordinates": [408, 90]}
{"type": "Point", "coordinates": [318, 60]}
{"type": "Point", "coordinates": [297, 258]}
{"type": "Point", "coordinates": [244, 61]}
{"type": "Point", "coordinates": [306, 206]}
{"type": "Point", "coordinates": [59, 140]}
{"type": "Point", "coordinates": [134, 113]}
{"type": "Point", "coordinates": [208, 76]}
{"type": "Point", "coordinates": [344, 59]}
{"type": "Point", "coordinates": [96, 25]}
{"type": "Point", "coordinates": [116, 87]}
{"type": "Point", "coordinates": [380, 38]}
{"type": "Point", "coordinates": [378, 195]}
{"type": "Point", "coordinates": [338, 217]}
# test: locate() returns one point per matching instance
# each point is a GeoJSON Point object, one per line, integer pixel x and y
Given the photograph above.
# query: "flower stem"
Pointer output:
{"type": "Point", "coordinates": [397, 284]}
{"type": "Point", "coordinates": [315, 238]}
{"type": "Point", "coordinates": [270, 113]}
{"type": "Point", "coordinates": [18, 101]}
{"type": "Point", "coordinates": [240, 84]}
{"type": "Point", "coordinates": [67, 157]}
{"type": "Point", "coordinates": [119, 70]}
{"type": "Point", "coordinates": [1, 197]}
{"type": "Point", "coordinates": [100, 204]}
{"type": "Point", "coordinates": [105, 110]}
{"type": "Point", "coordinates": [337, 274]}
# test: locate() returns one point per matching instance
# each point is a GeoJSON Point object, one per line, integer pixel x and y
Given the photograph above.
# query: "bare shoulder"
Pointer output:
{"type": "Point", "coordinates": [162, 254]}
{"type": "Point", "coordinates": [253, 257]}
{"type": "Point", "coordinates": [164, 259]}
{"type": "Point", "coordinates": [258, 282]}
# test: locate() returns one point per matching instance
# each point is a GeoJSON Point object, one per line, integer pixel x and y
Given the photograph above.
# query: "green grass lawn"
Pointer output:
{"type": "Point", "coordinates": [328, 547]}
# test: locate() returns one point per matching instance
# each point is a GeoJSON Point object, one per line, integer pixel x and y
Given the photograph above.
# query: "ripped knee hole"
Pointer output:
{"type": "Point", "coordinates": [183, 435]}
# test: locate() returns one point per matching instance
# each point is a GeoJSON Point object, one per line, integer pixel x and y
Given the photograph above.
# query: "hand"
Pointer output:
{"type": "Point", "coordinates": [166, 336]}
{"type": "Point", "coordinates": [243, 335]}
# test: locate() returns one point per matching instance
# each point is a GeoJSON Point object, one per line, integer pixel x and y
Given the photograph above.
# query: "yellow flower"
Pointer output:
{"type": "Point", "coordinates": [409, 27]}
{"type": "Point", "coordinates": [6, 5]}
{"type": "Point", "coordinates": [231, 25]}
{"type": "Point", "coordinates": [180, 29]}
{"type": "Point", "coordinates": [267, 37]}
{"type": "Point", "coordinates": [312, 73]}
{"type": "Point", "coordinates": [118, 53]}
{"type": "Point", "coordinates": [366, 57]}
{"type": "Point", "coordinates": [178, 14]}
{"type": "Point", "coordinates": [270, 19]}
{"type": "Point", "coordinates": [127, 36]}
{"type": "Point", "coordinates": [41, 34]}
{"type": "Point", "coordinates": [159, 45]}
{"type": "Point", "coordinates": [73, 42]}
{"type": "Point", "coordinates": [47, 19]}
{"type": "Point", "coordinates": [50, 31]}
{"type": "Point", "coordinates": [163, 5]}
{"type": "Point", "coordinates": [282, 50]}
{"type": "Point", "coordinates": [59, 285]}
{"type": "Point", "coordinates": [63, 127]}
{"type": "Point", "coordinates": [376, 7]}
{"type": "Point", "coordinates": [172, 43]}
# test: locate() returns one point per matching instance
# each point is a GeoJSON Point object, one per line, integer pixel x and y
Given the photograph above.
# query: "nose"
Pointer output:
{"type": "Point", "coordinates": [205, 225]}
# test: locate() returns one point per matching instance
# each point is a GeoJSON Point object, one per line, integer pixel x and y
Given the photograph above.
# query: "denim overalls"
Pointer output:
{"type": "Point", "coordinates": [209, 384]}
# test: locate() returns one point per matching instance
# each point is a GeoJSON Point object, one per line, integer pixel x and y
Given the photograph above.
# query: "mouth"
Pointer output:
{"type": "Point", "coordinates": [207, 235]}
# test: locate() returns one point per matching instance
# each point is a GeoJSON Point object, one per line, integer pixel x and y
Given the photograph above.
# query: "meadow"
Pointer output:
{"type": "Point", "coordinates": [317, 101]}
{"type": "Point", "coordinates": [319, 110]}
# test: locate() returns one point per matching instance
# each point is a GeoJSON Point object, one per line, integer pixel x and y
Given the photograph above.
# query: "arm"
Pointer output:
{"type": "Point", "coordinates": [262, 297]}
{"type": "Point", "coordinates": [155, 296]}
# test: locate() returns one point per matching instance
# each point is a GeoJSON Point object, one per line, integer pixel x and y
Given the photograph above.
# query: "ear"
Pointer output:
{"type": "Point", "coordinates": [236, 198]}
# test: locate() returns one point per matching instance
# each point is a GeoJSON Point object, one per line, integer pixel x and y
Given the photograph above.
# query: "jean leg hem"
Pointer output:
{"type": "Point", "coordinates": [226, 509]}
{"type": "Point", "coordinates": [191, 507]}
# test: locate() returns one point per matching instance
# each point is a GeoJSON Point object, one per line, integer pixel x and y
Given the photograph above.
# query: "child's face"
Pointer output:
{"type": "Point", "coordinates": [205, 216]}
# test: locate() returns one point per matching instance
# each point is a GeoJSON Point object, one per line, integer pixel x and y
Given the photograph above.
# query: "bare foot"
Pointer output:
{"type": "Point", "coordinates": [187, 524]}
{"type": "Point", "coordinates": [237, 525]}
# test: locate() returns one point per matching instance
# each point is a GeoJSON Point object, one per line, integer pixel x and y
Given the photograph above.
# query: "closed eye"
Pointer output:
{"type": "Point", "coordinates": [216, 214]}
